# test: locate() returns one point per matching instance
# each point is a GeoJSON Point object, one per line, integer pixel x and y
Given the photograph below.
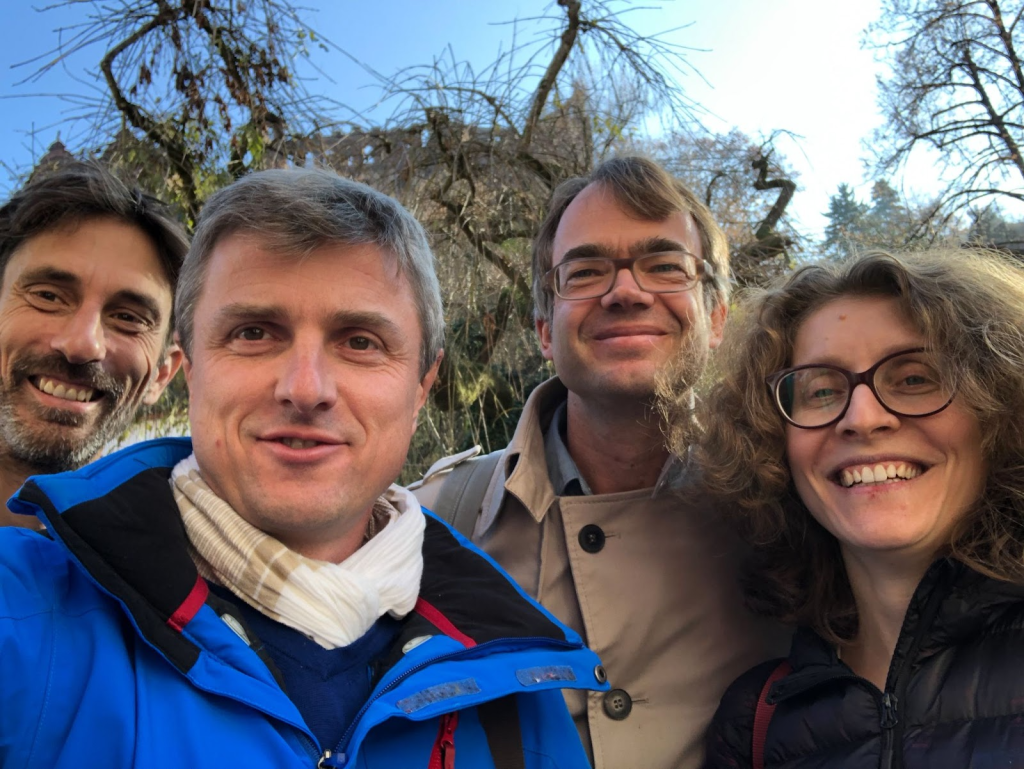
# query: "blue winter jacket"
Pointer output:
{"type": "Point", "coordinates": [113, 653]}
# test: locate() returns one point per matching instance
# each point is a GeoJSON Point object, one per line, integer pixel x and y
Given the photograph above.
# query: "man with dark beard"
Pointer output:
{"type": "Point", "coordinates": [87, 274]}
{"type": "Point", "coordinates": [584, 508]}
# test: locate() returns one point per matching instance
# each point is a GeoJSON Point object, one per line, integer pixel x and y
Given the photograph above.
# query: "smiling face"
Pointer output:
{"type": "Point", "coordinates": [84, 316]}
{"type": "Point", "coordinates": [304, 387]}
{"type": "Point", "coordinates": [613, 346]}
{"type": "Point", "coordinates": [934, 468]}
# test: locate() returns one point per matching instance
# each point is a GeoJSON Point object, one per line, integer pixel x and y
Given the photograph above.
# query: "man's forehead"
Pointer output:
{"type": "Point", "coordinates": [103, 251]}
{"type": "Point", "coordinates": [596, 218]}
{"type": "Point", "coordinates": [251, 271]}
{"type": "Point", "coordinates": [273, 248]}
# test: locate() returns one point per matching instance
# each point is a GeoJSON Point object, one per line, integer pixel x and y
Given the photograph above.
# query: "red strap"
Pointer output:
{"type": "Point", "coordinates": [190, 606]}
{"type": "Point", "coordinates": [441, 622]}
{"type": "Point", "coordinates": [763, 714]}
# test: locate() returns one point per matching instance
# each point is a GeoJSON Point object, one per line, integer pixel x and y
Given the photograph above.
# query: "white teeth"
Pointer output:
{"type": "Point", "coordinates": [58, 390]}
{"type": "Point", "coordinates": [879, 473]}
{"type": "Point", "coordinates": [298, 443]}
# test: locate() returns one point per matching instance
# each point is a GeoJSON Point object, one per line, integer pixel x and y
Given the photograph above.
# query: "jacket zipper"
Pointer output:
{"type": "Point", "coordinates": [443, 755]}
{"type": "Point", "coordinates": [889, 704]}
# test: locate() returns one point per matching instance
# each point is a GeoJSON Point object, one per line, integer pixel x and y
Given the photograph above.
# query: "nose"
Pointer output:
{"type": "Point", "coordinates": [626, 292]}
{"type": "Point", "coordinates": [81, 338]}
{"type": "Point", "coordinates": [306, 382]}
{"type": "Point", "coordinates": [866, 415]}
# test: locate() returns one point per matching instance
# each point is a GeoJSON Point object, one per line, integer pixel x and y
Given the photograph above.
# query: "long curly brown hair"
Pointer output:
{"type": "Point", "coordinates": [969, 305]}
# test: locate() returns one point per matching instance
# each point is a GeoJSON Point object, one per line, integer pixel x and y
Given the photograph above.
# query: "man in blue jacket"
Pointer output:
{"type": "Point", "coordinates": [262, 596]}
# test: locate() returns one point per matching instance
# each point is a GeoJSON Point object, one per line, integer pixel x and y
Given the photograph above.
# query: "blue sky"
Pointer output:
{"type": "Point", "coordinates": [769, 64]}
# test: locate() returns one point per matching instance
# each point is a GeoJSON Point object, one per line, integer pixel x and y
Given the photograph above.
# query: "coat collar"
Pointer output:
{"type": "Point", "coordinates": [951, 604]}
{"type": "Point", "coordinates": [523, 471]}
{"type": "Point", "coordinates": [118, 520]}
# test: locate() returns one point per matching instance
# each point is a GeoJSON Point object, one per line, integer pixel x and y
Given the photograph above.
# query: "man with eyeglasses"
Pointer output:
{"type": "Point", "coordinates": [585, 508]}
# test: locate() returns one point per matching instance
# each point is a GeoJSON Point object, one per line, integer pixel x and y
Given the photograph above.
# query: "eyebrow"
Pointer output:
{"type": "Point", "coordinates": [652, 245]}
{"type": "Point", "coordinates": [257, 313]}
{"type": "Point", "coordinates": [70, 279]}
{"type": "Point", "coordinates": [834, 359]}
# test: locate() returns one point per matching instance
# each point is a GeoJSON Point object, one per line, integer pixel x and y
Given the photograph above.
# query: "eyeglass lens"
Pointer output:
{"type": "Point", "coordinates": [907, 385]}
{"type": "Point", "coordinates": [657, 273]}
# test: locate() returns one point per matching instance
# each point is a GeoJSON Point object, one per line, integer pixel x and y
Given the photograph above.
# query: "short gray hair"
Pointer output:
{"type": "Point", "coordinates": [296, 211]}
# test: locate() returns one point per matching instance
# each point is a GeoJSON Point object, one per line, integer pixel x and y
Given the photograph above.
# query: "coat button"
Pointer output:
{"type": "Point", "coordinates": [617, 704]}
{"type": "Point", "coordinates": [599, 674]}
{"type": "Point", "coordinates": [592, 538]}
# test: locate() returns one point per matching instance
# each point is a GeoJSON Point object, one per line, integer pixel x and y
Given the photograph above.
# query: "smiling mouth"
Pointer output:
{"type": "Point", "coordinates": [890, 472]}
{"type": "Point", "coordinates": [627, 333]}
{"type": "Point", "coordinates": [57, 389]}
{"type": "Point", "coordinates": [299, 443]}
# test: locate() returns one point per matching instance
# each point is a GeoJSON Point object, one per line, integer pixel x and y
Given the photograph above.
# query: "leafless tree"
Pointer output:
{"type": "Point", "coordinates": [204, 90]}
{"type": "Point", "coordinates": [956, 86]}
{"type": "Point", "coordinates": [748, 185]}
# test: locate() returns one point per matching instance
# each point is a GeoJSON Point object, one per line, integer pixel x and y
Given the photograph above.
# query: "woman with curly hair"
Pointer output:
{"type": "Point", "coordinates": [867, 433]}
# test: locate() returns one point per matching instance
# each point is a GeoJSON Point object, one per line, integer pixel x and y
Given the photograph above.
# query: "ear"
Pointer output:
{"type": "Point", "coordinates": [718, 317]}
{"type": "Point", "coordinates": [544, 335]}
{"type": "Point", "coordinates": [164, 374]}
{"type": "Point", "coordinates": [423, 389]}
{"type": "Point", "coordinates": [186, 364]}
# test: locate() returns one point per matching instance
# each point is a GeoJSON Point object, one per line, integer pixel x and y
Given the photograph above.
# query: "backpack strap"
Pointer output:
{"type": "Point", "coordinates": [500, 721]}
{"type": "Point", "coordinates": [763, 715]}
{"type": "Point", "coordinates": [462, 493]}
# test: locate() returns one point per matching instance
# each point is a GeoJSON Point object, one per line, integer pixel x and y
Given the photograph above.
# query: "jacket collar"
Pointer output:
{"type": "Point", "coordinates": [119, 521]}
{"type": "Point", "coordinates": [952, 603]}
{"type": "Point", "coordinates": [523, 468]}
{"type": "Point", "coordinates": [525, 473]}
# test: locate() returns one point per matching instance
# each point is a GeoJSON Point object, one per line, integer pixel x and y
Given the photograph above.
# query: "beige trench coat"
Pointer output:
{"type": "Point", "coordinates": [653, 590]}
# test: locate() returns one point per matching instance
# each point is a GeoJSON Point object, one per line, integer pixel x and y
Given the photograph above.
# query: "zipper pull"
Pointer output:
{"type": "Point", "coordinates": [889, 705]}
{"type": "Point", "coordinates": [448, 754]}
{"type": "Point", "coordinates": [331, 760]}
{"type": "Point", "coordinates": [443, 755]}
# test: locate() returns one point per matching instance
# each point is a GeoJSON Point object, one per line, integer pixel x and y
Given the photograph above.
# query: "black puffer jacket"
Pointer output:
{"type": "Point", "coordinates": [954, 695]}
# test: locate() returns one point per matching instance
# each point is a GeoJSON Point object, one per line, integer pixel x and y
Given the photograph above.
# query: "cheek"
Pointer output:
{"type": "Point", "coordinates": [687, 307]}
{"type": "Point", "coordinates": [136, 363]}
{"type": "Point", "coordinates": [802, 446]}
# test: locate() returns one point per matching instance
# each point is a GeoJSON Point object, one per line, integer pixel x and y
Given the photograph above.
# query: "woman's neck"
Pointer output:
{"type": "Point", "coordinates": [882, 585]}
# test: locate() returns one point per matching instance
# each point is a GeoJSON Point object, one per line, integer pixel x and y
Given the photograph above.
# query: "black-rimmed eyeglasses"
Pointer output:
{"type": "Point", "coordinates": [659, 273]}
{"type": "Point", "coordinates": [906, 383]}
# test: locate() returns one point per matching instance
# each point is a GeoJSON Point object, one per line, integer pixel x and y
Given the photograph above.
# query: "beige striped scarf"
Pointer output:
{"type": "Point", "coordinates": [334, 604]}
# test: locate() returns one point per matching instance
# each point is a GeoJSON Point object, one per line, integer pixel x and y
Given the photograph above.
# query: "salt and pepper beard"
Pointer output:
{"type": "Point", "coordinates": [41, 441]}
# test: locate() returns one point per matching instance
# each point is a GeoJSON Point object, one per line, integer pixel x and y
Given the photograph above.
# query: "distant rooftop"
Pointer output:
{"type": "Point", "coordinates": [55, 158]}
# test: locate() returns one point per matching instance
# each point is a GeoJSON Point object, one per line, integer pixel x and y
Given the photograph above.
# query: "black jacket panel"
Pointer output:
{"type": "Point", "coordinates": [954, 695]}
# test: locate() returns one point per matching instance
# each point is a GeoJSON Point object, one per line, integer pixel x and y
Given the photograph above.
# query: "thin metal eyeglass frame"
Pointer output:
{"type": "Point", "coordinates": [863, 378]}
{"type": "Point", "coordinates": [703, 267]}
